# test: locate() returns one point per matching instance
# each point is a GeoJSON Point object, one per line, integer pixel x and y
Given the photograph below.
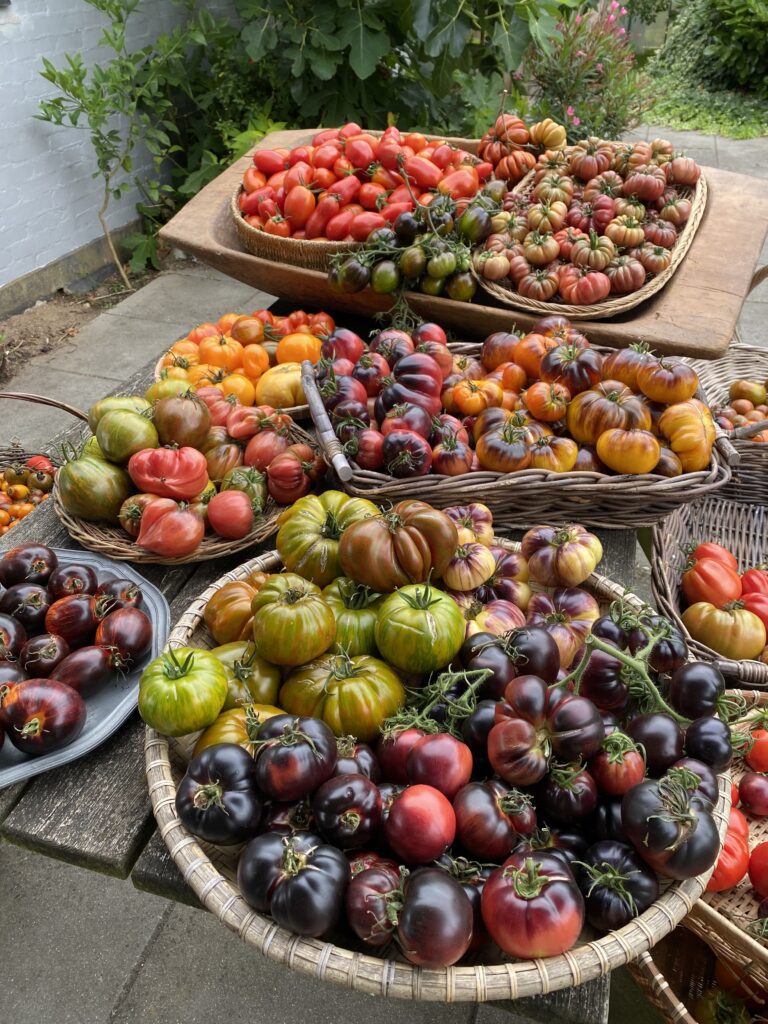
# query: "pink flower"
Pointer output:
{"type": "Point", "coordinates": [580, 53]}
{"type": "Point", "coordinates": [622, 31]}
{"type": "Point", "coordinates": [569, 111]}
{"type": "Point", "coordinates": [623, 11]}
{"type": "Point", "coordinates": [576, 120]}
{"type": "Point", "coordinates": [614, 5]}
{"type": "Point", "coordinates": [599, 67]}
{"type": "Point", "coordinates": [611, 18]}
{"type": "Point", "coordinates": [577, 19]}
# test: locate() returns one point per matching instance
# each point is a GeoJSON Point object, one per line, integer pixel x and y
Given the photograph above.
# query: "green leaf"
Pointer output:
{"type": "Point", "coordinates": [260, 38]}
{"type": "Point", "coordinates": [452, 36]}
{"type": "Point", "coordinates": [366, 45]}
{"type": "Point", "coordinates": [324, 65]}
{"type": "Point", "coordinates": [511, 42]}
{"type": "Point", "coordinates": [423, 21]}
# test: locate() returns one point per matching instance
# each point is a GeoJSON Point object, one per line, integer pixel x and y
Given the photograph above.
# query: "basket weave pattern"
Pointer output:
{"type": "Point", "coordinates": [210, 873]}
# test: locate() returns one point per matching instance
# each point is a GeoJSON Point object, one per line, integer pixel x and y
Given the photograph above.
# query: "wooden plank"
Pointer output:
{"type": "Point", "coordinates": [695, 314]}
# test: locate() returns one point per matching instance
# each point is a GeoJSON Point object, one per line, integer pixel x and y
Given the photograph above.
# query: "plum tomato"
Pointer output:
{"type": "Point", "coordinates": [421, 824]}
{"type": "Point", "coordinates": [442, 761]}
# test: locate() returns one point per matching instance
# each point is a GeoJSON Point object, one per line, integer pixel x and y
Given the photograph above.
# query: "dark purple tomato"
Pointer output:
{"type": "Point", "coordinates": [709, 740]}
{"type": "Point", "coordinates": [616, 885]}
{"type": "Point", "coordinates": [41, 655]}
{"type": "Point", "coordinates": [434, 927]}
{"type": "Point", "coordinates": [361, 860]}
{"type": "Point", "coordinates": [125, 593]}
{"type": "Point", "coordinates": [567, 793]}
{"type": "Point", "coordinates": [13, 636]}
{"type": "Point", "coordinates": [43, 715]}
{"type": "Point", "coordinates": [439, 712]}
{"type": "Point", "coordinates": [356, 758]}
{"type": "Point", "coordinates": [606, 629]}
{"type": "Point", "coordinates": [73, 618]}
{"type": "Point", "coordinates": [529, 650]}
{"type": "Point", "coordinates": [128, 631]}
{"type": "Point", "coordinates": [28, 563]}
{"type": "Point", "coordinates": [29, 604]}
{"type": "Point", "coordinates": [695, 689]}
{"type": "Point", "coordinates": [392, 753]}
{"type": "Point", "coordinates": [218, 799]}
{"type": "Point", "coordinates": [370, 894]}
{"type": "Point", "coordinates": [490, 817]}
{"type": "Point", "coordinates": [697, 778]}
{"type": "Point", "coordinates": [389, 791]}
{"type": "Point", "coordinates": [475, 728]}
{"type": "Point", "coordinates": [288, 817]}
{"type": "Point", "coordinates": [753, 793]}
{"type": "Point", "coordinates": [610, 721]}
{"type": "Point", "coordinates": [11, 672]}
{"type": "Point", "coordinates": [74, 578]}
{"type": "Point", "coordinates": [298, 755]}
{"type": "Point", "coordinates": [602, 683]}
{"type": "Point", "coordinates": [472, 877]}
{"type": "Point", "coordinates": [606, 821]}
{"type": "Point", "coordinates": [87, 669]}
{"type": "Point", "coordinates": [667, 654]}
{"type": "Point", "coordinates": [347, 810]}
{"type": "Point", "coordinates": [661, 738]}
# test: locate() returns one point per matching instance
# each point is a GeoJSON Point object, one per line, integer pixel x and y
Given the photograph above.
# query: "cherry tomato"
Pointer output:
{"type": "Point", "coordinates": [758, 869]}
{"type": "Point", "coordinates": [753, 794]}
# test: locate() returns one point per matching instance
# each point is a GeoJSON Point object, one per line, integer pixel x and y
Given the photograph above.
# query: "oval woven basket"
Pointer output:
{"type": "Point", "coordinates": [529, 496]}
{"type": "Point", "coordinates": [721, 918]}
{"type": "Point", "coordinates": [115, 543]}
{"type": "Point", "coordinates": [296, 412]}
{"type": "Point", "coordinates": [210, 871]}
{"type": "Point", "coordinates": [609, 307]}
{"type": "Point", "coordinates": [750, 480]}
{"type": "Point", "coordinates": [681, 968]}
{"type": "Point", "coordinates": [743, 529]}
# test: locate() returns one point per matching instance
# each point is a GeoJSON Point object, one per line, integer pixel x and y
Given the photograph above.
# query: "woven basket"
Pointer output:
{"type": "Point", "coordinates": [210, 872]}
{"type": "Point", "coordinates": [743, 529]}
{"type": "Point", "coordinates": [529, 496]}
{"type": "Point", "coordinates": [14, 454]}
{"type": "Point", "coordinates": [750, 480]}
{"type": "Point", "coordinates": [720, 918]}
{"type": "Point", "coordinates": [681, 968]}
{"type": "Point", "coordinates": [611, 306]}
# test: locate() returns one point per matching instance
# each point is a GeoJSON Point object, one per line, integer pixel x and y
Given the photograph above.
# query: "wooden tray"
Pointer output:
{"type": "Point", "coordinates": [695, 315]}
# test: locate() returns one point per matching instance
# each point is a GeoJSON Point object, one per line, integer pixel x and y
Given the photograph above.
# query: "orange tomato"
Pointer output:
{"type": "Point", "coordinates": [629, 451]}
{"type": "Point", "coordinates": [472, 396]}
{"type": "Point", "coordinates": [205, 330]}
{"type": "Point", "coordinates": [184, 347]}
{"type": "Point", "coordinates": [225, 322]}
{"type": "Point", "coordinates": [182, 359]}
{"type": "Point", "coordinates": [295, 347]}
{"type": "Point", "coordinates": [200, 374]}
{"type": "Point", "coordinates": [255, 361]}
{"type": "Point", "coordinates": [248, 330]}
{"type": "Point", "coordinates": [175, 373]}
{"type": "Point", "coordinates": [4, 517]}
{"type": "Point", "coordinates": [18, 492]}
{"type": "Point", "coordinates": [530, 350]}
{"type": "Point", "coordinates": [223, 350]}
{"type": "Point", "coordinates": [237, 384]}
{"type": "Point", "coordinates": [547, 402]}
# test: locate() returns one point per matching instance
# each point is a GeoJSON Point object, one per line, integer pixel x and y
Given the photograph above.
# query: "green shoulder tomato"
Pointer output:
{"type": "Point", "coordinates": [121, 433]}
{"type": "Point", "coordinates": [182, 691]}
{"type": "Point", "coordinates": [129, 403]}
{"type": "Point", "coordinates": [356, 608]}
{"type": "Point", "coordinates": [292, 623]}
{"type": "Point", "coordinates": [249, 677]}
{"type": "Point", "coordinates": [419, 629]}
{"type": "Point", "coordinates": [248, 480]}
{"type": "Point", "coordinates": [93, 489]}
{"type": "Point", "coordinates": [352, 696]}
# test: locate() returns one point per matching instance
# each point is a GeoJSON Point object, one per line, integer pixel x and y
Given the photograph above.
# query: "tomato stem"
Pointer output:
{"type": "Point", "coordinates": [207, 795]}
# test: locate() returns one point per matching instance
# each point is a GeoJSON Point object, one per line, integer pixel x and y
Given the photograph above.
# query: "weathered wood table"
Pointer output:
{"type": "Point", "coordinates": [95, 813]}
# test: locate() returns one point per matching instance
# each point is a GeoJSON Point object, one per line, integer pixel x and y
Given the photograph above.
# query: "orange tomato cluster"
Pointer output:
{"type": "Point", "coordinates": [348, 182]}
{"type": "Point", "coordinates": [22, 489]}
{"type": "Point", "coordinates": [253, 358]}
{"type": "Point", "coordinates": [748, 404]}
{"type": "Point", "coordinates": [507, 144]}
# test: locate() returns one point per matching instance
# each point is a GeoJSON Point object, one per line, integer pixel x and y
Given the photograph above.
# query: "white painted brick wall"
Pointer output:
{"type": "Point", "coordinates": [48, 197]}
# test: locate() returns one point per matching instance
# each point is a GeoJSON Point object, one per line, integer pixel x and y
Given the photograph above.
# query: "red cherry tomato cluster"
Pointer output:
{"type": "Point", "coordinates": [347, 182]}
{"type": "Point", "coordinates": [64, 634]}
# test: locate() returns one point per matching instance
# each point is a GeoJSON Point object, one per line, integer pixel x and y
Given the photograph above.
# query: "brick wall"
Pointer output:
{"type": "Point", "coordinates": [48, 195]}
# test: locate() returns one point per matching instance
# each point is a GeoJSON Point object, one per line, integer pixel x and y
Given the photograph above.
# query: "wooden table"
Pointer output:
{"type": "Point", "coordinates": [95, 813]}
{"type": "Point", "coordinates": [695, 314]}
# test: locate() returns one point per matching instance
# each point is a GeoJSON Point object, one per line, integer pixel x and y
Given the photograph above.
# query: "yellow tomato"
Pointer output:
{"type": "Point", "coordinates": [293, 348]}
{"type": "Point", "coordinates": [690, 431]}
{"type": "Point", "coordinates": [629, 451]}
{"type": "Point", "coordinates": [239, 385]}
{"type": "Point", "coordinates": [281, 387]}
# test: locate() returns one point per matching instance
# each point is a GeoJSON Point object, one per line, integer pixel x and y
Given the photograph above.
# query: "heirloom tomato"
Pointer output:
{"type": "Point", "coordinates": [250, 679]}
{"type": "Point", "coordinates": [170, 529]}
{"type": "Point", "coordinates": [238, 725]}
{"type": "Point", "coordinates": [709, 579]}
{"type": "Point", "coordinates": [180, 473]}
{"type": "Point", "coordinates": [618, 766]}
{"type": "Point", "coordinates": [41, 655]}
{"type": "Point", "coordinates": [629, 451]}
{"type": "Point", "coordinates": [547, 402]}
{"type": "Point", "coordinates": [419, 629]}
{"type": "Point", "coordinates": [605, 406]}
{"type": "Point", "coordinates": [182, 691]}
{"type": "Point", "coordinates": [130, 403]}
{"type": "Point", "coordinates": [509, 579]}
{"type": "Point", "coordinates": [474, 523]}
{"type": "Point", "coordinates": [125, 631]}
{"type": "Point", "coordinates": [561, 556]}
{"type": "Point", "coordinates": [624, 364]}
{"type": "Point", "coordinates": [218, 799]}
{"type": "Point", "coordinates": [421, 824]}
{"type": "Point", "coordinates": [228, 613]}
{"type": "Point", "coordinates": [660, 737]}
{"type": "Point", "coordinates": [616, 884]}
{"type": "Point", "coordinates": [490, 818]}
{"type": "Point", "coordinates": [296, 756]}
{"type": "Point", "coordinates": [42, 715]}
{"type": "Point", "coordinates": [435, 919]}
{"type": "Point", "coordinates": [93, 489]}
{"type": "Point", "coordinates": [122, 433]}
{"type": "Point", "coordinates": [568, 614]}
{"type": "Point", "coordinates": [732, 630]}
{"type": "Point", "coordinates": [231, 514]}
{"type": "Point", "coordinates": [347, 810]}
{"type": "Point", "coordinates": [573, 367]}
{"type": "Point", "coordinates": [292, 624]}
{"type": "Point", "coordinates": [708, 549]}
{"type": "Point", "coordinates": [666, 381]}
{"type": "Point", "coordinates": [732, 864]}
{"type": "Point", "coordinates": [472, 565]}
{"type": "Point", "coordinates": [441, 760]}
{"type": "Point", "coordinates": [690, 431]}
{"type": "Point", "coordinates": [356, 609]}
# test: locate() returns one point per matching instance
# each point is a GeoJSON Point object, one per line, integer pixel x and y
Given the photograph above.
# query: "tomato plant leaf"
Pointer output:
{"type": "Point", "coordinates": [367, 45]}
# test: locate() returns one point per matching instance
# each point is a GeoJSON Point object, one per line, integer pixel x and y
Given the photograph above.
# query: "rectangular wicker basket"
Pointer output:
{"type": "Point", "coordinates": [529, 496]}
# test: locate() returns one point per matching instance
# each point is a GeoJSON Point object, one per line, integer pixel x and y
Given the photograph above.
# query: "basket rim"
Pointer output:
{"type": "Point", "coordinates": [388, 977]}
{"type": "Point", "coordinates": [610, 306]}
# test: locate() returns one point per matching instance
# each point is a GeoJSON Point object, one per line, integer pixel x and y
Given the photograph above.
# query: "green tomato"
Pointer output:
{"type": "Point", "coordinates": [385, 277]}
{"type": "Point", "coordinates": [461, 287]}
{"type": "Point", "coordinates": [93, 489]}
{"type": "Point", "coordinates": [474, 224]}
{"type": "Point", "coordinates": [92, 448]}
{"type": "Point", "coordinates": [292, 624]}
{"type": "Point", "coordinates": [121, 433]}
{"type": "Point", "coordinates": [413, 261]}
{"type": "Point", "coordinates": [165, 389]}
{"type": "Point", "coordinates": [129, 403]}
{"type": "Point", "coordinates": [432, 285]}
{"type": "Point", "coordinates": [250, 679]}
{"type": "Point", "coordinates": [442, 265]}
{"type": "Point", "coordinates": [356, 608]}
{"type": "Point", "coordinates": [248, 480]}
{"type": "Point", "coordinates": [182, 691]}
{"type": "Point", "coordinates": [419, 629]}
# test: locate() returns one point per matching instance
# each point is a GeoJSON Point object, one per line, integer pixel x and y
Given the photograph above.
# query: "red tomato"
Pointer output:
{"type": "Point", "coordinates": [416, 141]}
{"type": "Point", "coordinates": [325, 210]}
{"type": "Point", "coordinates": [753, 794]}
{"type": "Point", "coordinates": [170, 531]}
{"type": "Point", "coordinates": [364, 223]}
{"type": "Point", "coordinates": [326, 155]}
{"type": "Point", "coordinates": [422, 172]}
{"type": "Point", "coordinates": [323, 178]}
{"type": "Point", "coordinates": [401, 194]}
{"type": "Point", "coordinates": [757, 757]}
{"type": "Point", "coordinates": [389, 179]}
{"type": "Point", "coordinates": [370, 195]}
{"type": "Point", "coordinates": [300, 153]}
{"type": "Point", "coordinates": [286, 479]}
{"type": "Point", "coordinates": [462, 183]}
{"type": "Point", "coordinates": [299, 205]}
{"type": "Point", "coordinates": [734, 794]}
{"type": "Point", "coordinates": [180, 473]}
{"type": "Point", "coordinates": [342, 167]}
{"type": "Point", "coordinates": [359, 153]}
{"type": "Point", "coordinates": [269, 161]}
{"type": "Point", "coordinates": [392, 754]}
{"type": "Point", "coordinates": [710, 580]}
{"type": "Point", "coordinates": [279, 226]}
{"type": "Point", "coordinates": [250, 202]}
{"type": "Point", "coordinates": [299, 174]}
{"type": "Point", "coordinates": [758, 605]}
{"type": "Point", "coordinates": [618, 766]}
{"type": "Point", "coordinates": [230, 514]}
{"type": "Point", "coordinates": [711, 550]}
{"type": "Point", "coordinates": [754, 581]}
{"type": "Point", "coordinates": [484, 170]}
{"type": "Point", "coordinates": [338, 227]}
{"type": "Point", "coordinates": [389, 153]}
{"type": "Point", "coordinates": [277, 180]}
{"type": "Point", "coordinates": [443, 155]}
{"type": "Point", "coordinates": [391, 211]}
{"type": "Point", "coordinates": [41, 463]}
{"type": "Point", "coordinates": [253, 179]}
{"type": "Point", "coordinates": [758, 869]}
{"type": "Point", "coordinates": [421, 824]}
{"type": "Point", "coordinates": [346, 190]}
{"type": "Point", "coordinates": [737, 823]}
{"type": "Point", "coordinates": [350, 129]}
{"type": "Point", "coordinates": [732, 864]}
{"type": "Point", "coordinates": [328, 135]}
{"type": "Point", "coordinates": [442, 761]}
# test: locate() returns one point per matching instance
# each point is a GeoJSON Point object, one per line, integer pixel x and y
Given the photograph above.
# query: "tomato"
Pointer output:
{"type": "Point", "coordinates": [547, 402]}
{"type": "Point", "coordinates": [617, 886]}
{"type": "Point", "coordinates": [131, 403]}
{"type": "Point", "coordinates": [29, 563]}
{"type": "Point", "coordinates": [169, 530]}
{"type": "Point", "coordinates": [180, 473]}
{"type": "Point", "coordinates": [297, 755]}
{"type": "Point", "coordinates": [40, 656]}
{"type": "Point", "coordinates": [356, 610]}
{"type": "Point", "coordinates": [618, 766]}
{"type": "Point", "coordinates": [567, 614]}
{"type": "Point", "coordinates": [368, 901]}
{"type": "Point", "coordinates": [757, 755]}
{"type": "Point", "coordinates": [754, 581]}
{"type": "Point", "coordinates": [709, 549]}
{"type": "Point", "coordinates": [607, 405]}
{"type": "Point", "coordinates": [42, 715]}
{"type": "Point", "coordinates": [711, 580]}
{"type": "Point", "coordinates": [299, 206]}
{"type": "Point", "coordinates": [421, 824]}
{"type": "Point", "coordinates": [753, 793]}
{"type": "Point", "coordinates": [732, 863]}
{"type": "Point", "coordinates": [624, 364]}
{"type": "Point", "coordinates": [228, 613]}
{"type": "Point", "coordinates": [93, 489]}
{"type": "Point", "coordinates": [574, 367]}
{"type": "Point", "coordinates": [441, 761]}
{"type": "Point", "coordinates": [218, 799]}
{"type": "Point", "coordinates": [126, 631]}
{"type": "Point", "coordinates": [532, 907]}
{"type": "Point", "coordinates": [690, 431]}
{"type": "Point", "coordinates": [182, 691]}
{"type": "Point", "coordinates": [287, 480]}
{"type": "Point", "coordinates": [561, 556]}
{"type": "Point", "coordinates": [732, 631]}
{"type": "Point", "coordinates": [292, 624]}
{"type": "Point", "coordinates": [758, 869]}
{"type": "Point", "coordinates": [231, 514]}
{"type": "Point", "coordinates": [666, 381]}
{"type": "Point", "coordinates": [419, 629]}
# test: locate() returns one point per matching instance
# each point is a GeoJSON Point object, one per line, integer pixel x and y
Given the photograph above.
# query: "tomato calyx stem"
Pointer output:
{"type": "Point", "coordinates": [31, 728]}
{"type": "Point", "coordinates": [175, 669]}
{"type": "Point", "coordinates": [514, 802]}
{"type": "Point", "coordinates": [294, 861]}
{"type": "Point", "coordinates": [350, 820]}
{"type": "Point", "coordinates": [421, 598]}
{"type": "Point", "coordinates": [608, 877]}
{"type": "Point", "coordinates": [345, 745]}
{"type": "Point", "coordinates": [209, 794]}
{"type": "Point", "coordinates": [617, 744]}
{"type": "Point", "coordinates": [528, 881]}
{"type": "Point", "coordinates": [676, 801]}
{"type": "Point", "coordinates": [462, 869]}
{"type": "Point", "coordinates": [565, 775]}
{"type": "Point", "coordinates": [417, 715]}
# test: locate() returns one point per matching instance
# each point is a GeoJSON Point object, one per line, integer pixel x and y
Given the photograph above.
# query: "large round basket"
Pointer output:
{"type": "Point", "coordinates": [609, 307]}
{"type": "Point", "coordinates": [680, 970]}
{"type": "Point", "coordinates": [750, 480]}
{"type": "Point", "coordinates": [211, 872]}
{"type": "Point", "coordinates": [529, 496]}
{"type": "Point", "coordinates": [113, 542]}
{"type": "Point", "coordinates": [743, 529]}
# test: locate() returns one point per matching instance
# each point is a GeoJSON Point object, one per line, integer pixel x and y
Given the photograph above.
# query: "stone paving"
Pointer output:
{"type": "Point", "coordinates": [79, 948]}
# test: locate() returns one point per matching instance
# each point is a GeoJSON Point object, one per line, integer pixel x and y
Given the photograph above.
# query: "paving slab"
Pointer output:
{"type": "Point", "coordinates": [200, 973]}
{"type": "Point", "coordinates": [69, 940]}
{"type": "Point", "coordinates": [753, 324]}
{"type": "Point", "coordinates": [745, 156]}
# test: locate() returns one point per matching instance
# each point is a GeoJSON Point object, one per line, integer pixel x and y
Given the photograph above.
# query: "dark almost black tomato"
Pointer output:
{"type": "Point", "coordinates": [88, 668]}
{"type": "Point", "coordinates": [361, 860]}
{"type": "Point", "coordinates": [382, 238]}
{"type": "Point", "coordinates": [484, 651]}
{"type": "Point", "coordinates": [350, 276]}
{"type": "Point", "coordinates": [475, 729]}
{"type": "Point", "coordinates": [606, 822]}
{"type": "Point", "coordinates": [125, 593]}
{"type": "Point", "coordinates": [602, 683]}
{"type": "Point", "coordinates": [13, 636]}
{"type": "Point", "coordinates": [439, 712]}
{"type": "Point", "coordinates": [471, 876]}
{"type": "Point", "coordinates": [529, 650]}
{"type": "Point", "coordinates": [41, 655]}
{"type": "Point", "coordinates": [354, 757]}
{"type": "Point", "coordinates": [610, 721]}
{"type": "Point", "coordinates": [369, 896]}
{"type": "Point", "coordinates": [560, 843]}
{"type": "Point", "coordinates": [474, 224]}
{"type": "Point", "coordinates": [288, 817]}
{"type": "Point", "coordinates": [695, 689]}
{"type": "Point", "coordinates": [298, 879]}
{"type": "Point", "coordinates": [567, 793]}
{"type": "Point", "coordinates": [490, 818]}
{"type": "Point", "coordinates": [11, 672]}
{"type": "Point", "coordinates": [298, 754]}
{"type": "Point", "coordinates": [128, 631]}
{"type": "Point", "coordinates": [28, 603]}
{"type": "Point", "coordinates": [41, 715]}
{"type": "Point", "coordinates": [616, 885]}
{"type": "Point", "coordinates": [218, 799]}
{"type": "Point", "coordinates": [606, 629]}
{"type": "Point", "coordinates": [406, 454]}
{"type": "Point", "coordinates": [73, 578]}
{"type": "Point", "coordinates": [661, 738]}
{"type": "Point", "coordinates": [667, 654]}
{"type": "Point", "coordinates": [434, 924]}
{"type": "Point", "coordinates": [697, 777]}
{"type": "Point", "coordinates": [406, 227]}
{"type": "Point", "coordinates": [709, 740]}
{"type": "Point", "coordinates": [347, 810]}
{"type": "Point", "coordinates": [28, 563]}
{"type": "Point", "coordinates": [389, 791]}
{"type": "Point", "coordinates": [74, 618]}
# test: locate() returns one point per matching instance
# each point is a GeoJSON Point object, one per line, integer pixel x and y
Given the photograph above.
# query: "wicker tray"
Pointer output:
{"type": "Point", "coordinates": [681, 968]}
{"type": "Point", "coordinates": [743, 529]}
{"type": "Point", "coordinates": [210, 872]}
{"type": "Point", "coordinates": [750, 481]}
{"type": "Point", "coordinates": [608, 307]}
{"type": "Point", "coordinates": [530, 496]}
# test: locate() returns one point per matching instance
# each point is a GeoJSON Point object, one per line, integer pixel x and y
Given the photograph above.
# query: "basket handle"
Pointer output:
{"type": "Point", "coordinates": [42, 400]}
{"type": "Point", "coordinates": [339, 461]}
{"type": "Point", "coordinates": [742, 433]}
{"type": "Point", "coordinates": [751, 673]}
{"type": "Point", "coordinates": [676, 1009]}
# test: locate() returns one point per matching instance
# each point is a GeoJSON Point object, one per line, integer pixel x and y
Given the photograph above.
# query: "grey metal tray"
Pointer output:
{"type": "Point", "coordinates": [114, 703]}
